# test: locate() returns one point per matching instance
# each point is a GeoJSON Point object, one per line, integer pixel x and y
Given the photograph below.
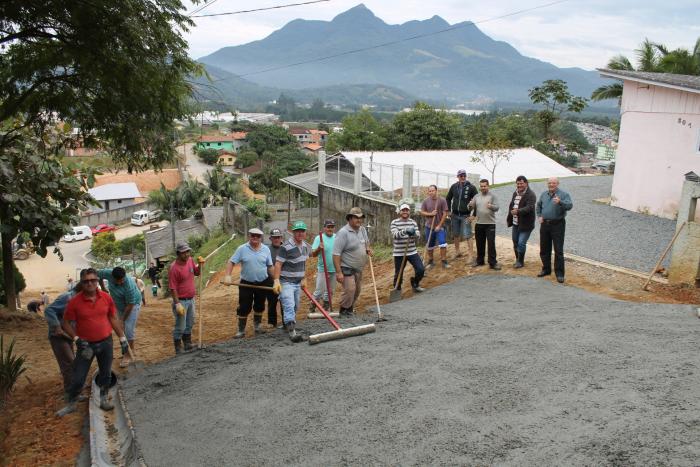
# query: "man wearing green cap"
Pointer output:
{"type": "Point", "coordinates": [290, 269]}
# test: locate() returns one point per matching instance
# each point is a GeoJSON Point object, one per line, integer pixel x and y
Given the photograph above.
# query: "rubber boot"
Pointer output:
{"type": "Point", "coordinates": [257, 321]}
{"type": "Point", "coordinates": [345, 312]}
{"type": "Point", "coordinates": [178, 346]}
{"type": "Point", "coordinates": [327, 306]}
{"type": "Point", "coordinates": [105, 404]}
{"type": "Point", "coordinates": [294, 336]}
{"type": "Point", "coordinates": [518, 260]}
{"type": "Point", "coordinates": [187, 341]}
{"type": "Point", "coordinates": [241, 327]}
{"type": "Point", "coordinates": [69, 408]}
{"type": "Point", "coordinates": [312, 307]}
{"type": "Point", "coordinates": [521, 257]}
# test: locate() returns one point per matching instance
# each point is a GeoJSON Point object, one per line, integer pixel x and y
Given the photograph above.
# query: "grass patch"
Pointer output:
{"type": "Point", "coordinates": [218, 261]}
{"type": "Point", "coordinates": [382, 253]}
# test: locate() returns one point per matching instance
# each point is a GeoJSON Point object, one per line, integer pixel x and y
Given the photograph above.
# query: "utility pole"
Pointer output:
{"type": "Point", "coordinates": [172, 223]}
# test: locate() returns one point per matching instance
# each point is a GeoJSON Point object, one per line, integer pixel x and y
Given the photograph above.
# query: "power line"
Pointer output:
{"type": "Point", "coordinates": [406, 39]}
{"type": "Point", "coordinates": [258, 9]}
{"type": "Point", "coordinates": [200, 8]}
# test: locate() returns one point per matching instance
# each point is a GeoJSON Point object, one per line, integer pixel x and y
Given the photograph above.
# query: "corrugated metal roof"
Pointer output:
{"type": "Point", "coordinates": [115, 191]}
{"type": "Point", "coordinates": [160, 241]}
{"type": "Point", "coordinates": [524, 161]}
{"type": "Point", "coordinates": [684, 82]}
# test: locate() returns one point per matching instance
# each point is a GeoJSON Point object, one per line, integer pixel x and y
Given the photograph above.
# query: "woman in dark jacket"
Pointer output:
{"type": "Point", "coordinates": [521, 216]}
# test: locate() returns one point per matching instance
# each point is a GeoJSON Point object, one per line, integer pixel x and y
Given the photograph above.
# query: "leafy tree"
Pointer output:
{"type": "Point", "coordinates": [246, 158]}
{"type": "Point", "coordinates": [131, 244]}
{"type": "Point", "coordinates": [186, 200]}
{"type": "Point", "coordinates": [116, 70]}
{"type": "Point", "coordinates": [222, 185]}
{"type": "Point", "coordinates": [264, 138]}
{"type": "Point", "coordinates": [19, 283]}
{"type": "Point", "coordinates": [208, 156]}
{"type": "Point", "coordinates": [424, 127]}
{"type": "Point", "coordinates": [105, 247]}
{"type": "Point", "coordinates": [361, 132]}
{"type": "Point", "coordinates": [554, 95]}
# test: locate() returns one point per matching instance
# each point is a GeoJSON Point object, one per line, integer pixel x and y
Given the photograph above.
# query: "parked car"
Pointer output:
{"type": "Point", "coordinates": [101, 228]}
{"type": "Point", "coordinates": [81, 232]}
{"type": "Point", "coordinates": [145, 217]}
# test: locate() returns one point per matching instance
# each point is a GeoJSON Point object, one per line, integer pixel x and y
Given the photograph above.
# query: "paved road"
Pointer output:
{"type": "Point", "coordinates": [598, 231]}
{"type": "Point", "coordinates": [489, 369]}
{"type": "Point", "coordinates": [50, 272]}
{"type": "Point", "coordinates": [195, 167]}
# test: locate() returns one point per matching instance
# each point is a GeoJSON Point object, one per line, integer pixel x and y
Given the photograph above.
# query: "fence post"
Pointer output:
{"type": "Point", "coordinates": [357, 185]}
{"type": "Point", "coordinates": [407, 181]}
{"type": "Point", "coordinates": [321, 167]}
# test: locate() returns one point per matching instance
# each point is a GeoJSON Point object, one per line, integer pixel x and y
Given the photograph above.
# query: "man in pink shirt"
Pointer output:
{"type": "Point", "coordinates": [181, 283]}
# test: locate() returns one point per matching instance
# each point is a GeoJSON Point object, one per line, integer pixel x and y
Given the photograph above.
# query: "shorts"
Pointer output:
{"type": "Point", "coordinates": [438, 238]}
{"type": "Point", "coordinates": [461, 226]}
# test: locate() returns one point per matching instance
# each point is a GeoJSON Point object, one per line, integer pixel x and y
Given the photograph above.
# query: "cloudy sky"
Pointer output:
{"type": "Point", "coordinates": [581, 33]}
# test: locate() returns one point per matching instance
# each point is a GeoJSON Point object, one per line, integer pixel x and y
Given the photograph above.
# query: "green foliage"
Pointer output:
{"type": "Point", "coordinates": [361, 132]}
{"type": "Point", "coordinates": [20, 283]}
{"type": "Point", "coordinates": [196, 241]}
{"type": "Point", "coordinates": [208, 156]}
{"type": "Point", "coordinates": [491, 154]}
{"type": "Point", "coordinates": [105, 248]}
{"type": "Point", "coordinates": [265, 138]}
{"type": "Point", "coordinates": [554, 95]}
{"type": "Point", "coordinates": [222, 185]}
{"type": "Point", "coordinates": [278, 163]}
{"type": "Point", "coordinates": [11, 368]}
{"type": "Point", "coordinates": [258, 208]}
{"type": "Point", "coordinates": [424, 127]}
{"type": "Point", "coordinates": [134, 244]}
{"type": "Point", "coordinates": [187, 199]}
{"type": "Point", "coordinates": [246, 158]}
{"type": "Point", "coordinates": [289, 111]}
{"type": "Point", "coordinates": [221, 257]}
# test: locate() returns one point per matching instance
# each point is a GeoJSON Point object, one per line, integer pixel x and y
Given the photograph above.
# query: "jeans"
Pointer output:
{"type": "Point", "coordinates": [289, 297]}
{"type": "Point", "coordinates": [321, 285]}
{"type": "Point", "coordinates": [485, 233]}
{"type": "Point", "coordinates": [552, 234]}
{"type": "Point", "coordinates": [102, 350]}
{"type": "Point", "coordinates": [461, 226]}
{"type": "Point", "coordinates": [520, 238]}
{"type": "Point", "coordinates": [63, 350]}
{"type": "Point", "coordinates": [130, 323]}
{"type": "Point", "coordinates": [418, 269]}
{"type": "Point", "coordinates": [352, 285]}
{"type": "Point", "coordinates": [184, 324]}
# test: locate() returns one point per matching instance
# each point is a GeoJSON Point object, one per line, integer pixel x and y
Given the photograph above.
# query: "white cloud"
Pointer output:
{"type": "Point", "coordinates": [585, 34]}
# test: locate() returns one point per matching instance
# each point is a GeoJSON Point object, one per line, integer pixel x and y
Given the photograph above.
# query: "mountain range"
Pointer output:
{"type": "Point", "coordinates": [447, 63]}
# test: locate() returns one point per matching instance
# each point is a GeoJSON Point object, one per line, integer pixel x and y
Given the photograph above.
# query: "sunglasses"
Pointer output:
{"type": "Point", "coordinates": [461, 176]}
{"type": "Point", "coordinates": [90, 281]}
{"type": "Point", "coordinates": [255, 235]}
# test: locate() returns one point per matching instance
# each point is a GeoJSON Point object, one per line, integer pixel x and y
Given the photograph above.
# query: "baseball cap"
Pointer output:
{"type": "Point", "coordinates": [461, 172]}
{"type": "Point", "coordinates": [255, 231]}
{"type": "Point", "coordinates": [404, 206]}
{"type": "Point", "coordinates": [275, 233]}
{"type": "Point", "coordinates": [299, 225]}
{"type": "Point", "coordinates": [182, 246]}
{"type": "Point", "coordinates": [355, 212]}
{"type": "Point", "coordinates": [328, 222]}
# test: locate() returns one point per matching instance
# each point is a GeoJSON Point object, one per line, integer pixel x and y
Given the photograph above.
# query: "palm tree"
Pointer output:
{"type": "Point", "coordinates": [651, 57]}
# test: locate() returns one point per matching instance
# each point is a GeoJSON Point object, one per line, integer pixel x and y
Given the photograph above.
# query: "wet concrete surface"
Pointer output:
{"type": "Point", "coordinates": [490, 369]}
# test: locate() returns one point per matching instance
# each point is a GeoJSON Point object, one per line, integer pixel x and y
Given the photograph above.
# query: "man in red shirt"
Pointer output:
{"type": "Point", "coordinates": [89, 319]}
{"type": "Point", "coordinates": [181, 283]}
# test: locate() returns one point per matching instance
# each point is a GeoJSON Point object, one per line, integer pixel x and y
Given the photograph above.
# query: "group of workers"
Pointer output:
{"type": "Point", "coordinates": [85, 316]}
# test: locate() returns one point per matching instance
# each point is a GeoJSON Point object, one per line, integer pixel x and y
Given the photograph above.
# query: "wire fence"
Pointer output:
{"type": "Point", "coordinates": [386, 182]}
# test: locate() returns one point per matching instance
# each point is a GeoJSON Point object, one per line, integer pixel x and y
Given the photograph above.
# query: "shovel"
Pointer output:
{"type": "Point", "coordinates": [135, 367]}
{"type": "Point", "coordinates": [395, 294]}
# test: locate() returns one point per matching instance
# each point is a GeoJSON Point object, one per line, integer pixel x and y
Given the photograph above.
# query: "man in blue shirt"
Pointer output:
{"type": "Point", "coordinates": [256, 269]}
{"type": "Point", "coordinates": [551, 212]}
{"type": "Point", "coordinates": [127, 298]}
{"type": "Point", "coordinates": [327, 251]}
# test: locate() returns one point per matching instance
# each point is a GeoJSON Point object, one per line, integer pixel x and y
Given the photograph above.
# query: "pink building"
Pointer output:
{"type": "Point", "coordinates": [659, 140]}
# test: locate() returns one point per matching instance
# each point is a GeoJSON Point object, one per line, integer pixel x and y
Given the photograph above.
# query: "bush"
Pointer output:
{"type": "Point", "coordinates": [133, 244]}
{"type": "Point", "coordinates": [11, 368]}
{"type": "Point", "coordinates": [196, 241]}
{"type": "Point", "coordinates": [258, 208]}
{"type": "Point", "coordinates": [208, 156]}
{"type": "Point", "coordinates": [20, 283]}
{"type": "Point", "coordinates": [105, 247]}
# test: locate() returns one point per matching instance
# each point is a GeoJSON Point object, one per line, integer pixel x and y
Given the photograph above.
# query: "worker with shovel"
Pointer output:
{"type": "Point", "coordinates": [181, 283]}
{"type": "Point", "coordinates": [405, 235]}
{"type": "Point", "coordinates": [256, 270]}
{"type": "Point", "coordinates": [290, 269]}
{"type": "Point", "coordinates": [435, 211]}
{"type": "Point", "coordinates": [350, 252]}
{"type": "Point", "coordinates": [325, 277]}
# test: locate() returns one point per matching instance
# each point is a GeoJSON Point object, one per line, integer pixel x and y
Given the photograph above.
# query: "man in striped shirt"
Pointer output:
{"type": "Point", "coordinates": [405, 234]}
{"type": "Point", "coordinates": [290, 269]}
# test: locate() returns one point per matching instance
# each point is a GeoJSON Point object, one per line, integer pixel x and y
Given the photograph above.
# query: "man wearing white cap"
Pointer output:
{"type": "Point", "coordinates": [256, 270]}
{"type": "Point", "coordinates": [458, 198]}
{"type": "Point", "coordinates": [405, 234]}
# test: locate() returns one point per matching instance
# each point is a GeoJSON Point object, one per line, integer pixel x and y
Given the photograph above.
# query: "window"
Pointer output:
{"type": "Point", "coordinates": [119, 201]}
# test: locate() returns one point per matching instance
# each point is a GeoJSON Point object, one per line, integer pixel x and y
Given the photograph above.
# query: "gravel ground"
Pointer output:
{"type": "Point", "coordinates": [490, 369]}
{"type": "Point", "coordinates": [600, 232]}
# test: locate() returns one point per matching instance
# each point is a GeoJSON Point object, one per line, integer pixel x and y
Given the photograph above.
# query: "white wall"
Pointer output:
{"type": "Point", "coordinates": [659, 143]}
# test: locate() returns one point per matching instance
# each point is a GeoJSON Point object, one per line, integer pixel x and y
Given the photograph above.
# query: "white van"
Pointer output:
{"type": "Point", "coordinates": [144, 217]}
{"type": "Point", "coordinates": [81, 232]}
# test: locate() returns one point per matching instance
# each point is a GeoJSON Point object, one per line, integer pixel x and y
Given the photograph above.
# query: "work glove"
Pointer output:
{"type": "Point", "coordinates": [228, 280]}
{"type": "Point", "coordinates": [277, 287]}
{"type": "Point", "coordinates": [83, 349]}
{"type": "Point", "coordinates": [124, 345]}
{"type": "Point", "coordinates": [179, 309]}
{"type": "Point", "coordinates": [302, 284]}
{"type": "Point", "coordinates": [411, 232]}
{"type": "Point", "coordinates": [200, 260]}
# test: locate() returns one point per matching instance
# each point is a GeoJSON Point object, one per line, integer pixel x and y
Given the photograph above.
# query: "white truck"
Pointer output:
{"type": "Point", "coordinates": [144, 217]}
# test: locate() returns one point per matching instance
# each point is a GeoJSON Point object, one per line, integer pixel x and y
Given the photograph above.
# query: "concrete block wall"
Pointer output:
{"type": "Point", "coordinates": [115, 216]}
{"type": "Point", "coordinates": [685, 255]}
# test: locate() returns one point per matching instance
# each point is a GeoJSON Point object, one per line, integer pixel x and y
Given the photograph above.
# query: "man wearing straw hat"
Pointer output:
{"type": "Point", "coordinates": [350, 251]}
{"type": "Point", "coordinates": [256, 270]}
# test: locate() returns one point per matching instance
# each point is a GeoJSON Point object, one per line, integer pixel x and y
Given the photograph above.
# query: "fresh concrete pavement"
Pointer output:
{"type": "Point", "coordinates": [489, 369]}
